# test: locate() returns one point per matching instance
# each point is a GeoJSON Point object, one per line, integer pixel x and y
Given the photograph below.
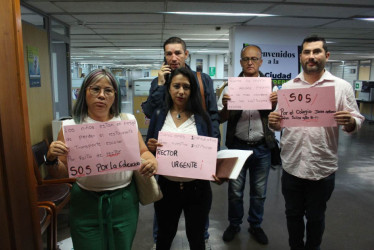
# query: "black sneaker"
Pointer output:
{"type": "Point", "coordinates": [259, 235]}
{"type": "Point", "coordinates": [230, 232]}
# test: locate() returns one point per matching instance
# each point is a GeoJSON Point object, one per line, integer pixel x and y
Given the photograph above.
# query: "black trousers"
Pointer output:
{"type": "Point", "coordinates": [309, 198]}
{"type": "Point", "coordinates": [194, 199]}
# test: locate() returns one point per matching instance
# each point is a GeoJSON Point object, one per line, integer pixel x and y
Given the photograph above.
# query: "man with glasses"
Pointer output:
{"type": "Point", "coordinates": [248, 130]}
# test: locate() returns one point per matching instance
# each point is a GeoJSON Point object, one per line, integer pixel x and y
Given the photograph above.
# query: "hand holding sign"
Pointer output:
{"type": "Point", "coordinates": [249, 93]}
{"type": "Point", "coordinates": [307, 107]}
{"type": "Point", "coordinates": [185, 155]}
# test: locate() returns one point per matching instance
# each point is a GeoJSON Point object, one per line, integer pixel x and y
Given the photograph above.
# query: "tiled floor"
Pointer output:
{"type": "Point", "coordinates": [349, 222]}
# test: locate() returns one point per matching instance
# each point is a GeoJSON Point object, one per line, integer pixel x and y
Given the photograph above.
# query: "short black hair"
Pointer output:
{"type": "Point", "coordinates": [250, 45]}
{"type": "Point", "coordinates": [173, 40]}
{"type": "Point", "coordinates": [315, 38]}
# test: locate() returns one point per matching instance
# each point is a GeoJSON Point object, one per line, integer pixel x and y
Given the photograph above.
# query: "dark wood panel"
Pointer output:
{"type": "Point", "coordinates": [17, 199]}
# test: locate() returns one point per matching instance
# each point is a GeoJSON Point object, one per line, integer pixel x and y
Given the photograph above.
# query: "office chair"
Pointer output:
{"type": "Point", "coordinates": [56, 191]}
{"type": "Point", "coordinates": [47, 216]}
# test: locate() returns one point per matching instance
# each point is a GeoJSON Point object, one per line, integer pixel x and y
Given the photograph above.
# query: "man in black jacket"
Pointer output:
{"type": "Point", "coordinates": [176, 54]}
{"type": "Point", "coordinates": [248, 130]}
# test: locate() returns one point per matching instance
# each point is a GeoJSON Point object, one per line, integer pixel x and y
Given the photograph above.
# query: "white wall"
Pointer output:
{"type": "Point", "coordinates": [217, 61]}
{"type": "Point", "coordinates": [372, 71]}
{"type": "Point", "coordinates": [205, 62]}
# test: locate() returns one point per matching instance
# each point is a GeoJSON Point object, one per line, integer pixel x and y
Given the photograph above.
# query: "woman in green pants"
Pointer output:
{"type": "Point", "coordinates": [104, 208]}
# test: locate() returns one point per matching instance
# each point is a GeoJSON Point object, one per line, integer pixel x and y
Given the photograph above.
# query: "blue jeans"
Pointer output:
{"type": "Point", "coordinates": [306, 198]}
{"type": "Point", "coordinates": [258, 165]}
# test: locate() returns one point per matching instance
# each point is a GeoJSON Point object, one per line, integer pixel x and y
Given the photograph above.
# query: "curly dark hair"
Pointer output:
{"type": "Point", "coordinates": [194, 102]}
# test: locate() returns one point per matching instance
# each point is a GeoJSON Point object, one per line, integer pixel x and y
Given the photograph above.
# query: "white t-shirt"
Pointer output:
{"type": "Point", "coordinates": [110, 181]}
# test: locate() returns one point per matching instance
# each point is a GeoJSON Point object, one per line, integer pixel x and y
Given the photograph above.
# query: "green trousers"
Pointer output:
{"type": "Point", "coordinates": [103, 220]}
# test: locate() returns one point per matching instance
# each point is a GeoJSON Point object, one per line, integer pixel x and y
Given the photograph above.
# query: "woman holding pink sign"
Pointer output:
{"type": "Point", "coordinates": [183, 114]}
{"type": "Point", "coordinates": [104, 208]}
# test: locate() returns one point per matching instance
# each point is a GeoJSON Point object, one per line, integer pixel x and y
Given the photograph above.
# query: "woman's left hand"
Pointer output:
{"type": "Point", "coordinates": [148, 167]}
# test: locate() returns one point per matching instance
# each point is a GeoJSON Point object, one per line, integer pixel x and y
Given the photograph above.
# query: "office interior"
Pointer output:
{"type": "Point", "coordinates": [65, 38]}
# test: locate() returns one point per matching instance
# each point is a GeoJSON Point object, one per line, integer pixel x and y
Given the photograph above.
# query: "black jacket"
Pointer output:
{"type": "Point", "coordinates": [156, 100]}
{"type": "Point", "coordinates": [234, 116]}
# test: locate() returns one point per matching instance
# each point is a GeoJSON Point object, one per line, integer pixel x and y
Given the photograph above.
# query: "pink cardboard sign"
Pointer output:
{"type": "Point", "coordinates": [249, 93]}
{"type": "Point", "coordinates": [103, 147]}
{"type": "Point", "coordinates": [307, 107]}
{"type": "Point", "coordinates": [189, 156]}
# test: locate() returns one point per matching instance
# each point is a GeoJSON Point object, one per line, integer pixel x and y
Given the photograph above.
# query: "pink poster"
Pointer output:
{"type": "Point", "coordinates": [307, 107]}
{"type": "Point", "coordinates": [189, 156]}
{"type": "Point", "coordinates": [249, 93]}
{"type": "Point", "coordinates": [103, 147]}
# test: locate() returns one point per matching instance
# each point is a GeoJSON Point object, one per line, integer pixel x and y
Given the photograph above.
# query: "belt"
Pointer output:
{"type": "Point", "coordinates": [182, 185]}
{"type": "Point", "coordinates": [252, 143]}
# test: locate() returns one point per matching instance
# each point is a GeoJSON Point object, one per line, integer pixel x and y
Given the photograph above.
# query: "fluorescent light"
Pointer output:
{"type": "Point", "coordinates": [216, 14]}
{"type": "Point", "coordinates": [205, 39]}
{"type": "Point", "coordinates": [138, 65]}
{"type": "Point", "coordinates": [212, 51]}
{"type": "Point", "coordinates": [80, 56]}
{"type": "Point", "coordinates": [140, 49]}
{"type": "Point", "coordinates": [369, 19]}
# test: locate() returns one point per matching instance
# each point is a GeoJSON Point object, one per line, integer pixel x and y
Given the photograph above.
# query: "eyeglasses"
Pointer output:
{"type": "Point", "coordinates": [247, 59]}
{"type": "Point", "coordinates": [95, 91]}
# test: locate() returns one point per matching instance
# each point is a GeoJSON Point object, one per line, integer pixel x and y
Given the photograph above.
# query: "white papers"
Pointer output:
{"type": "Point", "coordinates": [242, 157]}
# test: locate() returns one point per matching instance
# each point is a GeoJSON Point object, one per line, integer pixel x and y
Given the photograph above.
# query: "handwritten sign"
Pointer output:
{"type": "Point", "coordinates": [103, 147]}
{"type": "Point", "coordinates": [249, 93]}
{"type": "Point", "coordinates": [184, 155]}
{"type": "Point", "coordinates": [307, 107]}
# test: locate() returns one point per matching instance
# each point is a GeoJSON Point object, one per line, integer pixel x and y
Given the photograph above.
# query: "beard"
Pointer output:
{"type": "Point", "coordinates": [317, 68]}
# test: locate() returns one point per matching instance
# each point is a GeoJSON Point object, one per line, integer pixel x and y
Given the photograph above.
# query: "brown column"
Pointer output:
{"type": "Point", "coordinates": [19, 227]}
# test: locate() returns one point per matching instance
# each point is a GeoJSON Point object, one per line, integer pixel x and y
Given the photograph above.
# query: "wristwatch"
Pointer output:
{"type": "Point", "coordinates": [50, 163]}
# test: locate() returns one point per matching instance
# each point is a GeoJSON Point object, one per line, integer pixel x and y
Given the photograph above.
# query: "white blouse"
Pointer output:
{"type": "Point", "coordinates": [188, 127]}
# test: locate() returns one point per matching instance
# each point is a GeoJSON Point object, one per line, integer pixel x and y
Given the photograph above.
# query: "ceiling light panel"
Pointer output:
{"type": "Point", "coordinates": [110, 6]}
{"type": "Point", "coordinates": [217, 7]}
{"type": "Point", "coordinates": [316, 11]}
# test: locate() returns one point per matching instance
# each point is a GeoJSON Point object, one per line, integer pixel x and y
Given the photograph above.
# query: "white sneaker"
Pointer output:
{"type": "Point", "coordinates": [207, 245]}
{"type": "Point", "coordinates": [154, 246]}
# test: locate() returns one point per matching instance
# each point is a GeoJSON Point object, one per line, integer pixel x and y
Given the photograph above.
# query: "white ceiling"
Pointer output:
{"type": "Point", "coordinates": [118, 31]}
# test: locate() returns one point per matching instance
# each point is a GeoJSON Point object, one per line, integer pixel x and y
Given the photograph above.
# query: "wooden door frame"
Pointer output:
{"type": "Point", "coordinates": [20, 227]}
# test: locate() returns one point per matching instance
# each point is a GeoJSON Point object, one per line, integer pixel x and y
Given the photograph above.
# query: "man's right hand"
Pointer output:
{"type": "Point", "coordinates": [274, 121]}
{"type": "Point", "coordinates": [165, 69]}
{"type": "Point", "coordinates": [225, 98]}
